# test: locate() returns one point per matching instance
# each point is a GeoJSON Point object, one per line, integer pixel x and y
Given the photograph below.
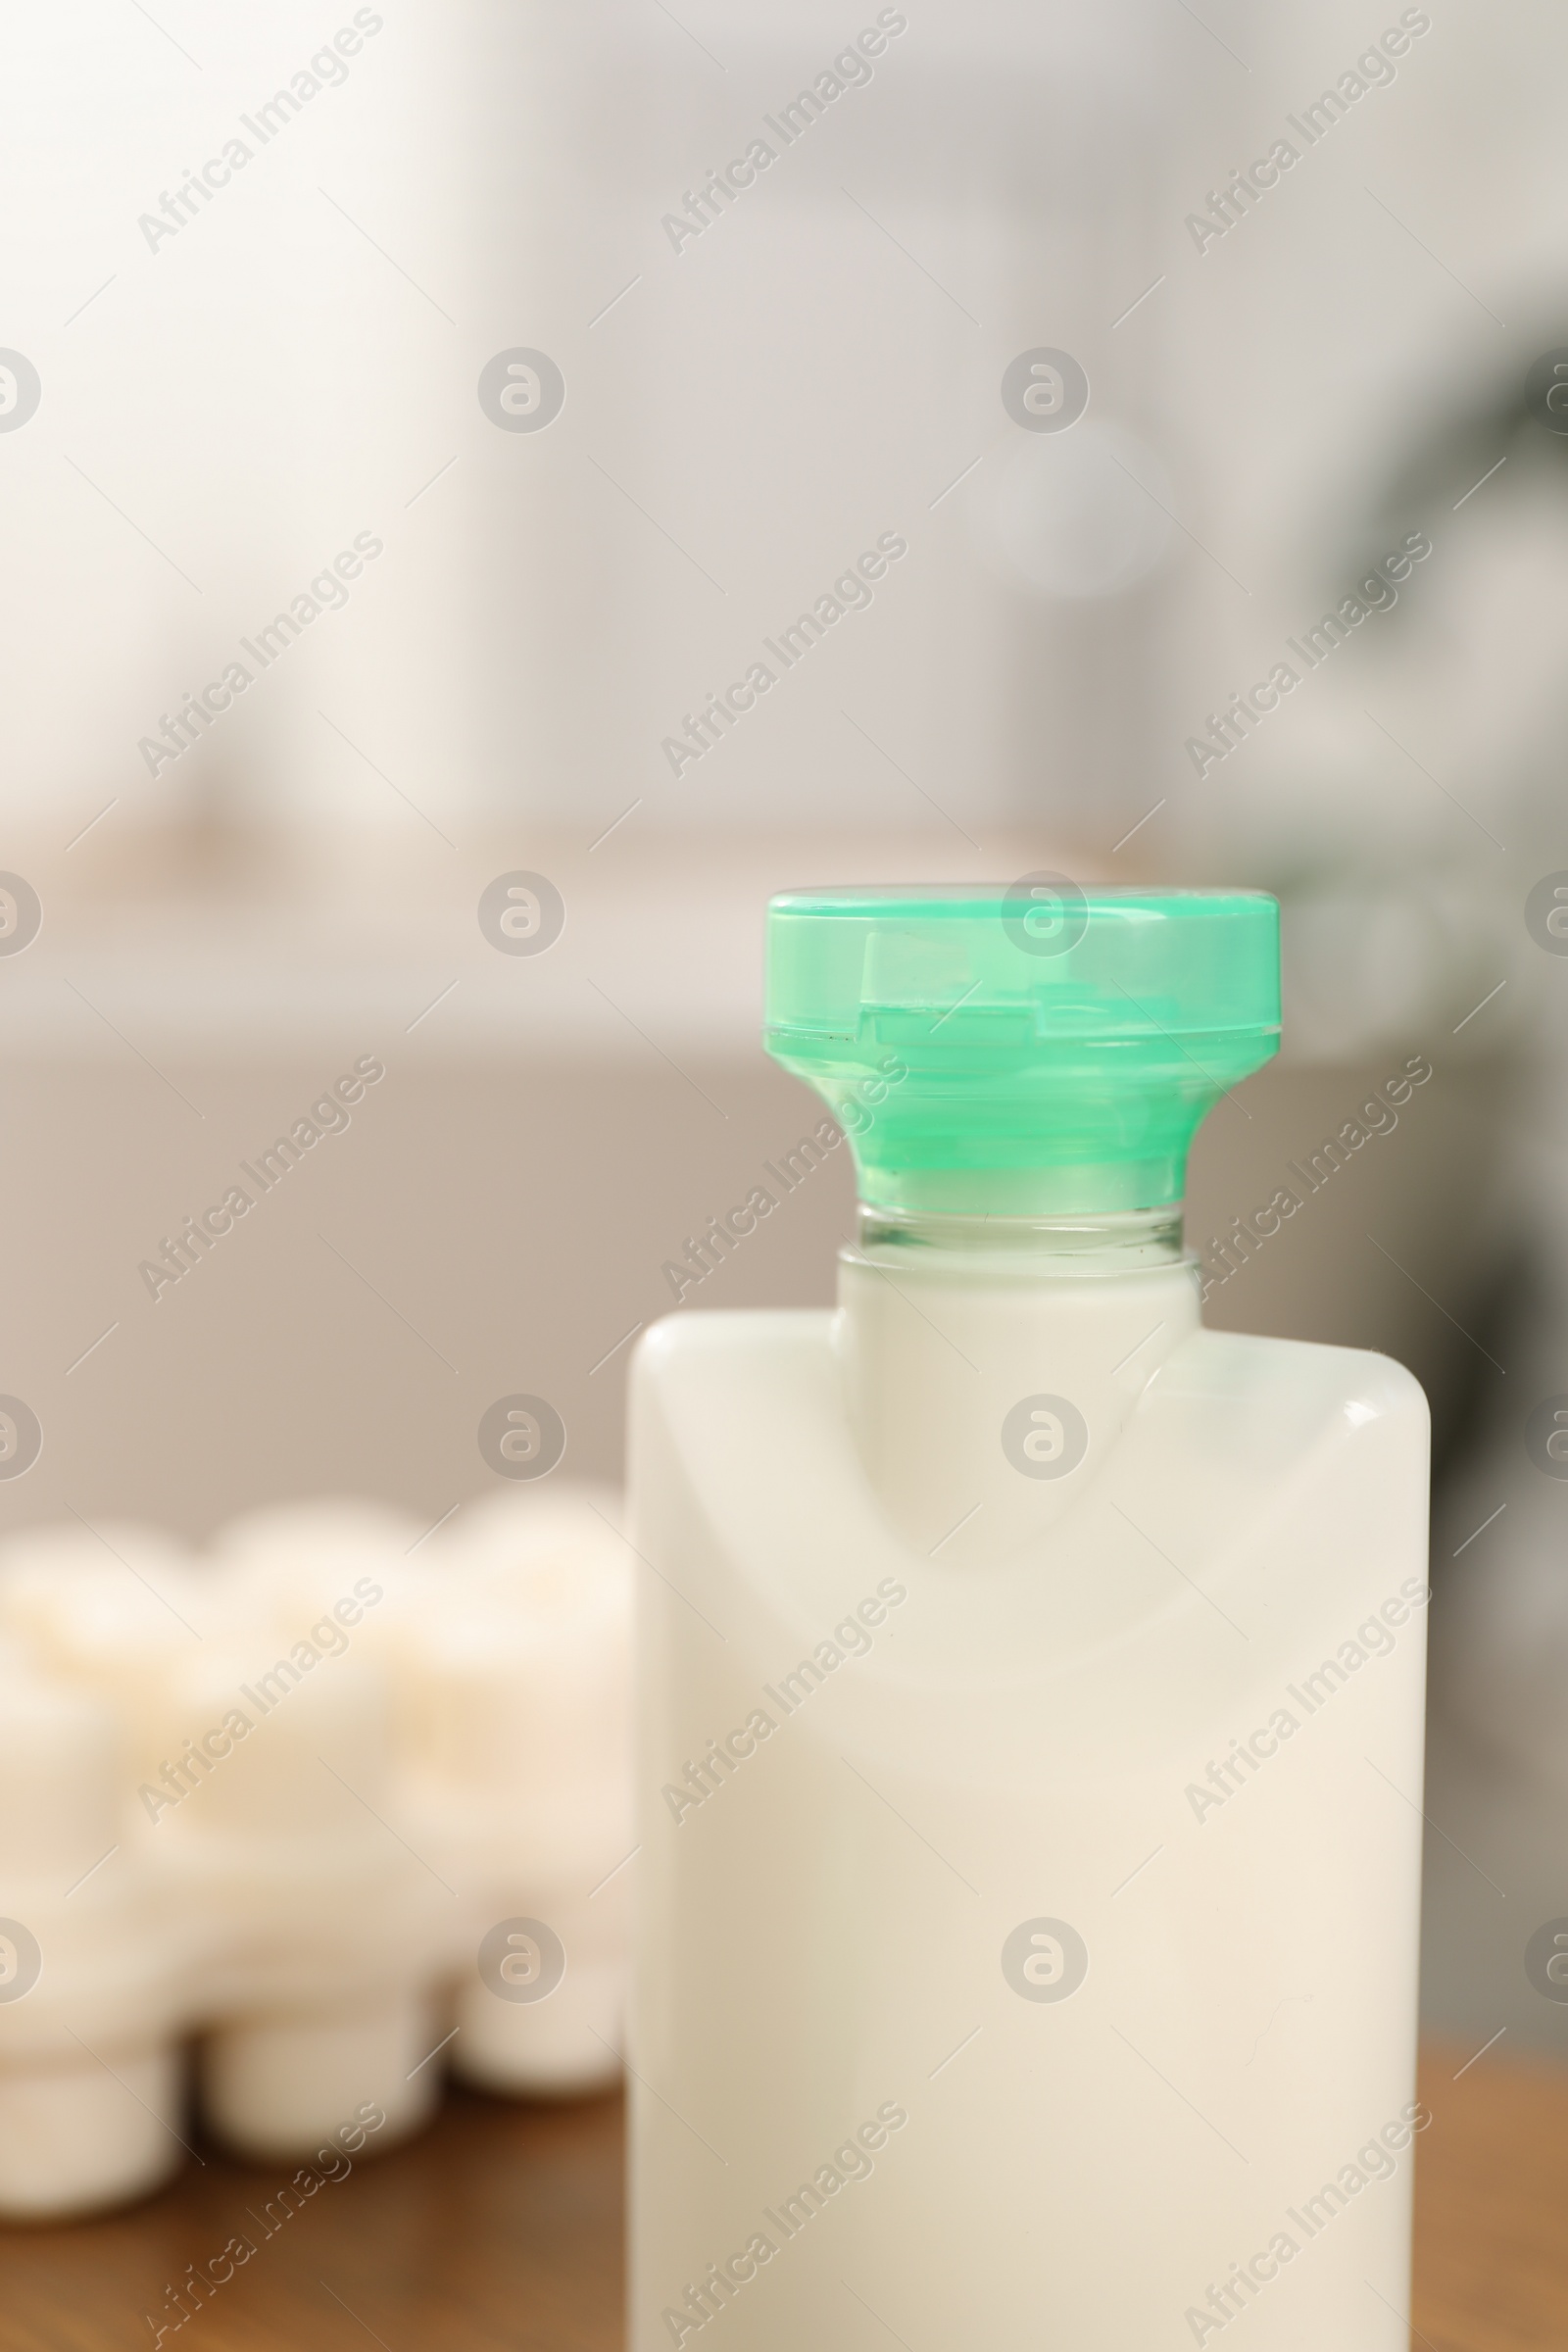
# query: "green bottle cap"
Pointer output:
{"type": "Point", "coordinates": [1027, 1049]}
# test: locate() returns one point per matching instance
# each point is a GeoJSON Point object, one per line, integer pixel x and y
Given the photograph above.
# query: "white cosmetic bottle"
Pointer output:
{"type": "Point", "coordinates": [1031, 1699]}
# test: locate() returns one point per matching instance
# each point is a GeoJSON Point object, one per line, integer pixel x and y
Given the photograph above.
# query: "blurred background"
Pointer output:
{"type": "Point", "coordinates": [431, 331]}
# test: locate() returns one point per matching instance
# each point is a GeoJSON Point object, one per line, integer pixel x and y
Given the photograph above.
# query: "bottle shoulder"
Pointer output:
{"type": "Point", "coordinates": [1230, 1365]}
{"type": "Point", "coordinates": [758, 1345]}
{"type": "Point", "coordinates": [700, 1333]}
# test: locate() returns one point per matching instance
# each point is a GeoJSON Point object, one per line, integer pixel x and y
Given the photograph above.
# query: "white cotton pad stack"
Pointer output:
{"type": "Point", "coordinates": [340, 1802]}
{"type": "Point", "coordinates": [92, 1978]}
{"type": "Point", "coordinates": [522, 1775]}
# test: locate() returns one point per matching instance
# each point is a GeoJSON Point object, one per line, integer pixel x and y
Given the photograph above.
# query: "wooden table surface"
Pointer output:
{"type": "Point", "coordinates": [499, 2231]}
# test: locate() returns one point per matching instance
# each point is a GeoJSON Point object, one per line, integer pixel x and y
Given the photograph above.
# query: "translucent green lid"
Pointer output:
{"type": "Point", "coordinates": [1024, 1048]}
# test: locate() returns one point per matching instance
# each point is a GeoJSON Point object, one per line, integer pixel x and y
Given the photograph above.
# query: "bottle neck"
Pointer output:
{"type": "Point", "coordinates": [1115, 1242]}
